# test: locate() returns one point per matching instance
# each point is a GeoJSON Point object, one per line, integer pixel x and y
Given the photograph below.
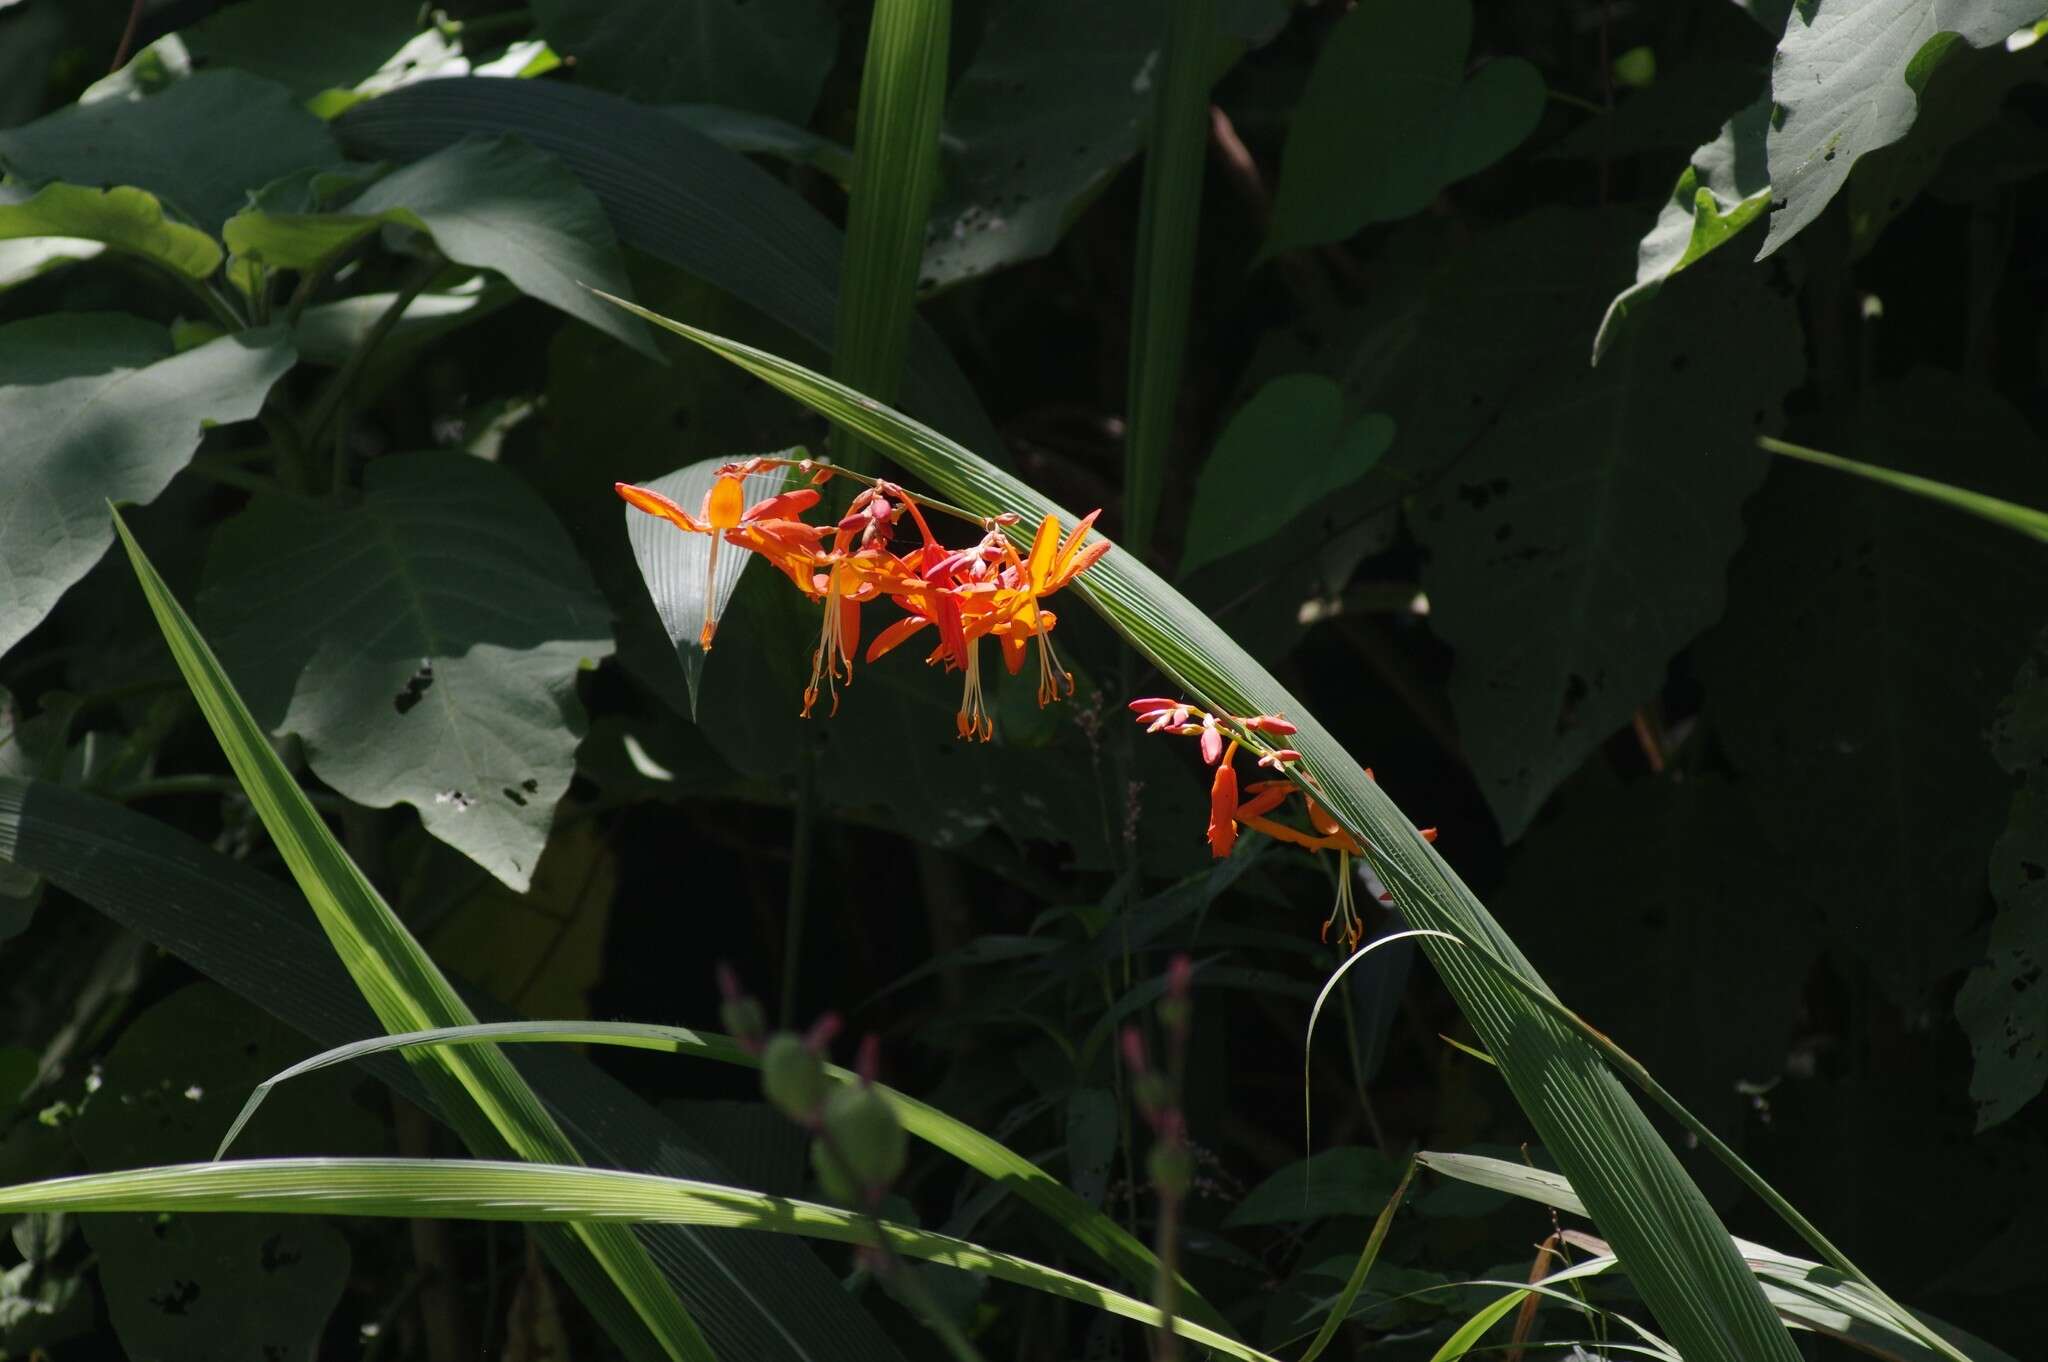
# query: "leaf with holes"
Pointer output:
{"type": "Point", "coordinates": [424, 643]}
{"type": "Point", "coordinates": [233, 1288]}
{"type": "Point", "coordinates": [1848, 80]}
{"type": "Point", "coordinates": [2003, 1005]}
{"type": "Point", "coordinates": [1579, 536]}
{"type": "Point", "coordinates": [770, 56]}
{"type": "Point", "coordinates": [97, 407]}
{"type": "Point", "coordinates": [1857, 702]}
{"type": "Point", "coordinates": [1390, 120]}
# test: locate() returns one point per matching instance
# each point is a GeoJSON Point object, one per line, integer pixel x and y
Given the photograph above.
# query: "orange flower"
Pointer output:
{"type": "Point", "coordinates": [1223, 806]}
{"type": "Point", "coordinates": [722, 511]}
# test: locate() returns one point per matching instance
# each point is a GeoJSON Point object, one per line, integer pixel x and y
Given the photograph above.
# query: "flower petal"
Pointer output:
{"type": "Point", "coordinates": [654, 503]}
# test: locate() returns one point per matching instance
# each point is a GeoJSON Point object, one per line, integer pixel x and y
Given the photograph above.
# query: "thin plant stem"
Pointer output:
{"type": "Point", "coordinates": [127, 43]}
{"type": "Point", "coordinates": [328, 405]}
{"type": "Point", "coordinates": [802, 846]}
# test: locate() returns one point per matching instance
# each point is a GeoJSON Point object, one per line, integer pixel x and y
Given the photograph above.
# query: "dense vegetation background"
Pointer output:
{"type": "Point", "coordinates": [1747, 755]}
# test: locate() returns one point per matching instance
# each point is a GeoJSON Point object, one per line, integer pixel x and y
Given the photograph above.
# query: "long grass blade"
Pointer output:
{"type": "Point", "coordinates": [895, 176]}
{"type": "Point", "coordinates": [2012, 516]}
{"type": "Point", "coordinates": [1169, 212]}
{"type": "Point", "coordinates": [497, 1190]}
{"type": "Point", "coordinates": [1676, 1250]}
{"type": "Point", "coordinates": [1340, 1310]}
{"type": "Point", "coordinates": [478, 1091]}
{"type": "Point", "coordinates": [1094, 1231]}
{"type": "Point", "coordinates": [1803, 1291]}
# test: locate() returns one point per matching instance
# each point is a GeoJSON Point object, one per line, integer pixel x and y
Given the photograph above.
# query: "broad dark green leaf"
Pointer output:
{"type": "Point", "coordinates": [1725, 187]}
{"type": "Point", "coordinates": [1691, 895]}
{"type": "Point", "coordinates": [1036, 125]}
{"type": "Point", "coordinates": [200, 146]}
{"type": "Point", "coordinates": [306, 48]}
{"type": "Point", "coordinates": [228, 1288]}
{"type": "Point", "coordinates": [124, 217]}
{"type": "Point", "coordinates": [770, 56]}
{"type": "Point", "coordinates": [755, 1297]}
{"type": "Point", "coordinates": [96, 408]}
{"type": "Point", "coordinates": [424, 642]}
{"type": "Point", "coordinates": [491, 203]}
{"type": "Point", "coordinates": [1349, 1180]}
{"type": "Point", "coordinates": [1848, 79]}
{"type": "Point", "coordinates": [1577, 533]}
{"type": "Point", "coordinates": [2003, 1005]}
{"type": "Point", "coordinates": [1865, 651]}
{"type": "Point", "coordinates": [675, 194]}
{"type": "Point", "coordinates": [1390, 119]}
{"type": "Point", "coordinates": [1284, 451]}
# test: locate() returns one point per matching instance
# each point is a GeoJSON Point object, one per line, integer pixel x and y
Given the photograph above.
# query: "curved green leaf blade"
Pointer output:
{"type": "Point", "coordinates": [1340, 1309]}
{"type": "Point", "coordinates": [96, 405]}
{"type": "Point", "coordinates": [895, 172]}
{"type": "Point", "coordinates": [306, 48]}
{"type": "Point", "coordinates": [1803, 1291]}
{"type": "Point", "coordinates": [492, 1190]}
{"type": "Point", "coordinates": [674, 194]}
{"type": "Point", "coordinates": [124, 217]}
{"type": "Point", "coordinates": [1675, 1248]}
{"type": "Point", "coordinates": [2012, 516]}
{"type": "Point", "coordinates": [1093, 1230]}
{"type": "Point", "coordinates": [424, 641]}
{"type": "Point", "coordinates": [755, 1296]}
{"type": "Point", "coordinates": [490, 1105]}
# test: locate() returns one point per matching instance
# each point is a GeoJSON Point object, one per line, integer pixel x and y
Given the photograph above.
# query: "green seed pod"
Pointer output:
{"type": "Point", "coordinates": [865, 1131]}
{"type": "Point", "coordinates": [832, 1180]}
{"type": "Point", "coordinates": [793, 1077]}
{"type": "Point", "coordinates": [1172, 1169]}
{"type": "Point", "coordinates": [742, 1017]}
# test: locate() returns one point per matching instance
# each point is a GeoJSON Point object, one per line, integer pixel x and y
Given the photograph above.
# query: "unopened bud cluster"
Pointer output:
{"type": "Point", "coordinates": [858, 1144]}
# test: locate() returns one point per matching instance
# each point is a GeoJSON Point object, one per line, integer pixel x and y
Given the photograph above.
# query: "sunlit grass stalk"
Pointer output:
{"type": "Point", "coordinates": [895, 176]}
{"type": "Point", "coordinates": [1175, 155]}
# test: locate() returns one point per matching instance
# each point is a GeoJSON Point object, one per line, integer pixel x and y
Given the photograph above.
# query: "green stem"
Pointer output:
{"type": "Point", "coordinates": [328, 405]}
{"type": "Point", "coordinates": [1160, 308]}
{"type": "Point", "coordinates": [802, 846]}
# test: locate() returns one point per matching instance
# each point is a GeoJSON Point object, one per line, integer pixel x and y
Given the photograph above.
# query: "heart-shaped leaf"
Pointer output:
{"type": "Point", "coordinates": [1285, 450]}
{"type": "Point", "coordinates": [1389, 120]}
